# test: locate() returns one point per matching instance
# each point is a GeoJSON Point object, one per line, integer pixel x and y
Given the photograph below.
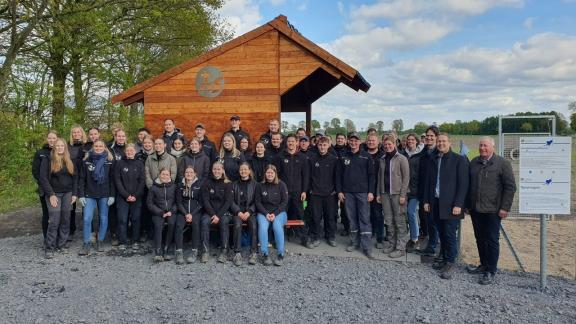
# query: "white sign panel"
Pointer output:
{"type": "Point", "coordinates": [545, 175]}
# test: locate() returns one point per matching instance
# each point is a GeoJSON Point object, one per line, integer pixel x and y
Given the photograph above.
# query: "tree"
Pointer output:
{"type": "Point", "coordinates": [526, 127]}
{"type": "Point", "coordinates": [335, 122]}
{"type": "Point", "coordinates": [397, 125]}
{"type": "Point", "coordinates": [420, 127]}
{"type": "Point", "coordinates": [326, 125]}
{"type": "Point", "coordinates": [572, 106]}
{"type": "Point", "coordinates": [380, 126]}
{"type": "Point", "coordinates": [349, 125]}
{"type": "Point", "coordinates": [302, 124]}
{"type": "Point", "coordinates": [573, 121]}
{"type": "Point", "coordinates": [284, 126]}
{"type": "Point", "coordinates": [315, 124]}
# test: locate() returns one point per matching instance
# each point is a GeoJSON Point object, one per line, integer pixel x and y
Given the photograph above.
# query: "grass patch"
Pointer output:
{"type": "Point", "coordinates": [15, 196]}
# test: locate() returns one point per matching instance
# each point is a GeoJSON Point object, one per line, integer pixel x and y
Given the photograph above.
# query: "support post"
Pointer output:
{"type": "Point", "coordinates": [543, 259]}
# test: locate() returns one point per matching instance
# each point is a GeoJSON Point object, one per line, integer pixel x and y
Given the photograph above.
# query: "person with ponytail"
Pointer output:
{"type": "Point", "coordinates": [58, 178]}
{"type": "Point", "coordinates": [230, 157]}
{"type": "Point", "coordinates": [41, 154]}
{"type": "Point", "coordinates": [96, 189]}
{"type": "Point", "coordinates": [189, 212]}
{"type": "Point", "coordinates": [216, 198]}
{"type": "Point", "coordinates": [76, 144]}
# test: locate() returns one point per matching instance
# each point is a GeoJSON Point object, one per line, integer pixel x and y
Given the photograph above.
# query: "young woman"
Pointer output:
{"type": "Point", "coordinates": [245, 147]}
{"type": "Point", "coordinates": [41, 154]}
{"type": "Point", "coordinates": [413, 153]}
{"type": "Point", "coordinates": [58, 178]}
{"type": "Point", "coordinates": [189, 212]}
{"type": "Point", "coordinates": [259, 161]}
{"type": "Point", "coordinates": [230, 157]}
{"type": "Point", "coordinates": [130, 183]}
{"type": "Point", "coordinates": [244, 211]}
{"type": "Point", "coordinates": [162, 204]}
{"type": "Point", "coordinates": [391, 190]}
{"type": "Point", "coordinates": [216, 199]}
{"type": "Point", "coordinates": [93, 136]}
{"type": "Point", "coordinates": [147, 149]}
{"type": "Point", "coordinates": [96, 189]}
{"type": "Point", "coordinates": [196, 158]}
{"type": "Point", "coordinates": [77, 142]}
{"type": "Point", "coordinates": [178, 150]}
{"type": "Point", "coordinates": [271, 202]}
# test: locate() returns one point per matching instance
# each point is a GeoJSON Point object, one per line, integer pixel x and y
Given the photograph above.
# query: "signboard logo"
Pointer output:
{"type": "Point", "coordinates": [209, 82]}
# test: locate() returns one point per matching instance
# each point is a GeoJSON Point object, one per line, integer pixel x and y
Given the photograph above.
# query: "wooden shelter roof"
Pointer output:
{"type": "Point", "coordinates": [350, 76]}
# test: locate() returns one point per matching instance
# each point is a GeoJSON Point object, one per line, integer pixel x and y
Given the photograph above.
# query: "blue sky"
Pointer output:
{"type": "Point", "coordinates": [434, 60]}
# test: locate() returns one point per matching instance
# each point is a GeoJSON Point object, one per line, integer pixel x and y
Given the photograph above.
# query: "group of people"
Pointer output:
{"type": "Point", "coordinates": [400, 191]}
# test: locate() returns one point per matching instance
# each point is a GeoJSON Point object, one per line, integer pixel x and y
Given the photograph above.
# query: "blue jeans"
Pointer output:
{"type": "Point", "coordinates": [91, 204]}
{"type": "Point", "coordinates": [413, 218]}
{"type": "Point", "coordinates": [277, 227]}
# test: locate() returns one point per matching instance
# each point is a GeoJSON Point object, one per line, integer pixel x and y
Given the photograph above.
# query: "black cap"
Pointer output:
{"type": "Point", "coordinates": [353, 134]}
{"type": "Point", "coordinates": [304, 138]}
{"type": "Point", "coordinates": [235, 117]}
{"type": "Point", "coordinates": [200, 125]}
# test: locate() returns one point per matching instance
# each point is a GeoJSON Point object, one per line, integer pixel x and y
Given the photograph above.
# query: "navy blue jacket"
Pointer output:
{"type": "Point", "coordinates": [294, 170]}
{"type": "Point", "coordinates": [356, 173]}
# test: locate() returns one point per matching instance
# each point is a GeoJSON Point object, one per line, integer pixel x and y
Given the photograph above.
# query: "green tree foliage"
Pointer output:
{"type": "Point", "coordinates": [315, 124]}
{"type": "Point", "coordinates": [349, 125]}
{"type": "Point", "coordinates": [397, 125]}
{"type": "Point", "coordinates": [420, 127]}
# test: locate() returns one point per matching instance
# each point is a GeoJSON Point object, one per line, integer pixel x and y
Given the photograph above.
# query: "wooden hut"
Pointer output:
{"type": "Point", "coordinates": [269, 70]}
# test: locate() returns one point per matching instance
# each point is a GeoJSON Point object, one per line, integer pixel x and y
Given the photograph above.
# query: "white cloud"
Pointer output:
{"type": "Point", "coordinates": [277, 2]}
{"type": "Point", "coordinates": [528, 23]}
{"type": "Point", "coordinates": [302, 7]}
{"type": "Point", "coordinates": [242, 15]}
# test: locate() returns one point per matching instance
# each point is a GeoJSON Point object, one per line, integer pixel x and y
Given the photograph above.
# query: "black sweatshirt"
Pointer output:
{"type": "Point", "coordinates": [117, 151]}
{"type": "Point", "coordinates": [232, 164]}
{"type": "Point", "coordinates": [244, 201]}
{"type": "Point", "coordinates": [209, 148]}
{"type": "Point", "coordinates": [59, 182]}
{"type": "Point", "coordinates": [323, 174]}
{"type": "Point", "coordinates": [129, 178]}
{"type": "Point", "coordinates": [188, 198]}
{"type": "Point", "coordinates": [43, 153]}
{"type": "Point", "coordinates": [216, 196]}
{"type": "Point", "coordinates": [356, 173]}
{"type": "Point", "coordinates": [199, 161]}
{"type": "Point", "coordinates": [271, 198]}
{"type": "Point", "coordinates": [258, 165]}
{"type": "Point", "coordinates": [294, 170]}
{"type": "Point", "coordinates": [162, 198]}
{"type": "Point", "coordinates": [88, 187]}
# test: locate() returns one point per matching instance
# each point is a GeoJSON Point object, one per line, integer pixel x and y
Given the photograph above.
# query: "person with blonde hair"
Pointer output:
{"type": "Point", "coordinates": [230, 157]}
{"type": "Point", "coordinates": [96, 189]}
{"type": "Point", "coordinates": [76, 147]}
{"type": "Point", "coordinates": [39, 156]}
{"type": "Point", "coordinates": [216, 195]}
{"type": "Point", "coordinates": [271, 199]}
{"type": "Point", "coordinates": [58, 178]}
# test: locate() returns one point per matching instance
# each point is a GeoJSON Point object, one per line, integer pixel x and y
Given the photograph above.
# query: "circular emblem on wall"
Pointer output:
{"type": "Point", "coordinates": [209, 82]}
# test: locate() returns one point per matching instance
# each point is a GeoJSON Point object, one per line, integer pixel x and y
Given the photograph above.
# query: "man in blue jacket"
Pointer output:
{"type": "Point", "coordinates": [445, 197]}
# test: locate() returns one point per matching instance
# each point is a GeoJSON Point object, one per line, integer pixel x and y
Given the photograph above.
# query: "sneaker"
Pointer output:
{"type": "Point", "coordinates": [316, 243]}
{"type": "Point", "coordinates": [179, 256]}
{"type": "Point", "coordinates": [438, 265]}
{"type": "Point", "coordinates": [237, 259]}
{"type": "Point", "coordinates": [369, 254]}
{"type": "Point", "coordinates": [135, 247]}
{"type": "Point", "coordinates": [397, 254]}
{"type": "Point", "coordinates": [192, 257]}
{"type": "Point", "coordinates": [204, 257]}
{"type": "Point", "coordinates": [447, 271]}
{"type": "Point", "coordinates": [114, 241]}
{"type": "Point", "coordinates": [99, 246]}
{"type": "Point", "coordinates": [351, 247]}
{"type": "Point", "coordinates": [488, 278]}
{"type": "Point", "coordinates": [266, 260]}
{"type": "Point", "coordinates": [253, 259]}
{"type": "Point", "coordinates": [475, 269]}
{"type": "Point", "coordinates": [85, 250]}
{"type": "Point", "coordinates": [388, 248]}
{"type": "Point", "coordinates": [122, 247]}
{"type": "Point", "coordinates": [158, 256]}
{"type": "Point", "coordinates": [332, 243]}
{"type": "Point", "coordinates": [309, 245]}
{"type": "Point", "coordinates": [411, 246]}
{"type": "Point", "coordinates": [379, 245]}
{"type": "Point", "coordinates": [222, 256]}
{"type": "Point", "coordinates": [49, 253]}
{"type": "Point", "coordinates": [426, 252]}
{"type": "Point", "coordinates": [167, 255]}
{"type": "Point", "coordinates": [64, 249]}
{"type": "Point", "coordinates": [279, 261]}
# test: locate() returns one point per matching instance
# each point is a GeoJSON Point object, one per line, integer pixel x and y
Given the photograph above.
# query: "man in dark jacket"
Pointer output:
{"type": "Point", "coordinates": [237, 131]}
{"type": "Point", "coordinates": [273, 128]}
{"type": "Point", "coordinates": [293, 169]}
{"type": "Point", "coordinates": [492, 188]}
{"type": "Point", "coordinates": [356, 184]}
{"type": "Point", "coordinates": [445, 196]}
{"type": "Point", "coordinates": [340, 148]}
{"type": "Point", "coordinates": [171, 133]}
{"type": "Point", "coordinates": [323, 199]}
{"type": "Point", "coordinates": [207, 145]}
{"type": "Point", "coordinates": [373, 147]}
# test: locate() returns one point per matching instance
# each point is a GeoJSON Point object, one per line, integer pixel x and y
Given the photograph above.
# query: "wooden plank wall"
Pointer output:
{"type": "Point", "coordinates": [251, 91]}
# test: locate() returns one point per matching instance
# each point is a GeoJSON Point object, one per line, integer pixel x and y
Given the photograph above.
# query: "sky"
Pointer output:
{"type": "Point", "coordinates": [433, 60]}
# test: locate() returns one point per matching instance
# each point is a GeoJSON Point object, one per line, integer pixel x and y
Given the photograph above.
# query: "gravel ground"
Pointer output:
{"type": "Point", "coordinates": [107, 288]}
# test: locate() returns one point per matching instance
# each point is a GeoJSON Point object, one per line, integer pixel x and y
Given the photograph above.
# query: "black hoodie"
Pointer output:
{"type": "Point", "coordinates": [244, 201]}
{"type": "Point", "coordinates": [117, 151]}
{"type": "Point", "coordinates": [188, 198]}
{"type": "Point", "coordinates": [271, 198]}
{"type": "Point", "coordinates": [199, 161]}
{"type": "Point", "coordinates": [232, 164]}
{"type": "Point", "coordinates": [209, 148]}
{"type": "Point", "coordinates": [258, 165]}
{"type": "Point", "coordinates": [129, 178]}
{"type": "Point", "coordinates": [170, 138]}
{"type": "Point", "coordinates": [59, 182]}
{"type": "Point", "coordinates": [43, 153]}
{"type": "Point", "coordinates": [162, 198]}
{"type": "Point", "coordinates": [216, 196]}
{"type": "Point", "coordinates": [294, 170]}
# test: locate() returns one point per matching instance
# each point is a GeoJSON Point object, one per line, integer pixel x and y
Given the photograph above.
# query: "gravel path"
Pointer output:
{"type": "Point", "coordinates": [113, 289]}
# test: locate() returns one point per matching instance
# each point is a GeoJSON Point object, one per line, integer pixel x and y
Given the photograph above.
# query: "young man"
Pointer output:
{"type": "Point", "coordinates": [444, 197]}
{"type": "Point", "coordinates": [236, 130]}
{"type": "Point", "coordinates": [171, 133]}
{"type": "Point", "coordinates": [340, 148]}
{"type": "Point", "coordinates": [492, 189]}
{"type": "Point", "coordinates": [158, 161]}
{"type": "Point", "coordinates": [142, 134]}
{"type": "Point", "coordinates": [323, 198]}
{"type": "Point", "coordinates": [207, 145]}
{"type": "Point", "coordinates": [356, 185]}
{"type": "Point", "coordinates": [372, 147]}
{"type": "Point", "coordinates": [117, 148]}
{"type": "Point", "coordinates": [293, 169]}
{"type": "Point", "coordinates": [276, 145]}
{"type": "Point", "coordinates": [273, 128]}
{"type": "Point", "coordinates": [304, 146]}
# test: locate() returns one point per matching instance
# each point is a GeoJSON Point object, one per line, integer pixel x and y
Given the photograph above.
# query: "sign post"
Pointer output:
{"type": "Point", "coordinates": [545, 178]}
